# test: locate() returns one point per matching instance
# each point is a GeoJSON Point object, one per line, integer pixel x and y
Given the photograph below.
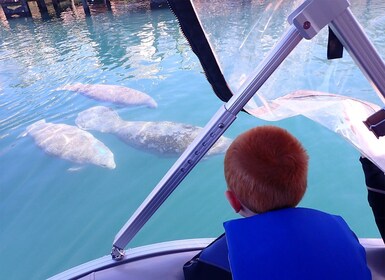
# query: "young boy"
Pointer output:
{"type": "Point", "coordinates": [266, 174]}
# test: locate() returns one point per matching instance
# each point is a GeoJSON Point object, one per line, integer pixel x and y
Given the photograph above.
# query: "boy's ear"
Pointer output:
{"type": "Point", "coordinates": [233, 200]}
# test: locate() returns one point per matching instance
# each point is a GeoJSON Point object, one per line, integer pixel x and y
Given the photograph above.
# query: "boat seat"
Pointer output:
{"type": "Point", "coordinates": [375, 256]}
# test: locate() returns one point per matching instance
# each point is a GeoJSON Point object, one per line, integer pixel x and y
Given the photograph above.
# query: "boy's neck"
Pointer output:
{"type": "Point", "coordinates": [246, 212]}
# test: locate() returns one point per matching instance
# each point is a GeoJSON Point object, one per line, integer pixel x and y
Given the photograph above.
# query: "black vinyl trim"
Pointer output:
{"type": "Point", "coordinates": [195, 35]}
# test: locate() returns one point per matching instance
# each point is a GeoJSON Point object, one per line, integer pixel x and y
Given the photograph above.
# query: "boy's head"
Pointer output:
{"type": "Point", "coordinates": [265, 169]}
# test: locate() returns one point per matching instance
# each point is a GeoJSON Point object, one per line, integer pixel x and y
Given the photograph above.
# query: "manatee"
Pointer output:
{"type": "Point", "coordinates": [163, 138]}
{"type": "Point", "coordinates": [70, 143]}
{"type": "Point", "coordinates": [112, 93]}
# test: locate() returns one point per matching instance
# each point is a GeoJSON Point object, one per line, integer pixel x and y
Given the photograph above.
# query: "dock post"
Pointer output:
{"type": "Point", "coordinates": [158, 4]}
{"type": "Point", "coordinates": [22, 9]}
{"type": "Point", "coordinates": [108, 4]}
{"type": "Point", "coordinates": [42, 7]}
{"type": "Point", "coordinates": [86, 8]}
{"type": "Point", "coordinates": [56, 6]}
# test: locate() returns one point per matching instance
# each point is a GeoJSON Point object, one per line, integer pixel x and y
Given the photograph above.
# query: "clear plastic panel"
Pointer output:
{"type": "Point", "coordinates": [333, 93]}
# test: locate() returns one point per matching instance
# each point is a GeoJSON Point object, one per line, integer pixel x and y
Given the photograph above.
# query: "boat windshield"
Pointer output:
{"type": "Point", "coordinates": [65, 191]}
{"type": "Point", "coordinates": [331, 92]}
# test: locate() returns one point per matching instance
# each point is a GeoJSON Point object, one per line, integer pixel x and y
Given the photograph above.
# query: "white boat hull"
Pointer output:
{"type": "Point", "coordinates": [165, 261]}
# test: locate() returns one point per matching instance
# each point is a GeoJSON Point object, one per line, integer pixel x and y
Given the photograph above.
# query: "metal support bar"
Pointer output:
{"type": "Point", "coordinates": [307, 21]}
{"type": "Point", "coordinates": [206, 139]}
{"type": "Point", "coordinates": [196, 150]}
{"type": "Point", "coordinates": [313, 15]}
{"type": "Point", "coordinates": [282, 49]}
{"type": "Point", "coordinates": [352, 36]}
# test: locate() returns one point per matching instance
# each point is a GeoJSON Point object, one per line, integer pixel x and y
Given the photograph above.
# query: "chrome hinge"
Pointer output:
{"type": "Point", "coordinates": [117, 253]}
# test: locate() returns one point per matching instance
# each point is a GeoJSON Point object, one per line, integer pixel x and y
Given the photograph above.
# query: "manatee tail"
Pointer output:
{"type": "Point", "coordinates": [70, 87]}
{"type": "Point", "coordinates": [98, 118]}
{"type": "Point", "coordinates": [152, 103]}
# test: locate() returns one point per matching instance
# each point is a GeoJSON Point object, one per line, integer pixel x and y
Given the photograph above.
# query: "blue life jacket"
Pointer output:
{"type": "Point", "coordinates": [217, 254]}
{"type": "Point", "coordinates": [294, 243]}
{"type": "Point", "coordinates": [211, 263]}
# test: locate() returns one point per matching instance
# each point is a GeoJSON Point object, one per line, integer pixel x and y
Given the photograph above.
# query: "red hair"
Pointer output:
{"type": "Point", "coordinates": [266, 168]}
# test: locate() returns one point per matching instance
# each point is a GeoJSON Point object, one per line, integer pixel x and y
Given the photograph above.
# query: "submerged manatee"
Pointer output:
{"type": "Point", "coordinates": [166, 138]}
{"type": "Point", "coordinates": [71, 143]}
{"type": "Point", "coordinates": [112, 93]}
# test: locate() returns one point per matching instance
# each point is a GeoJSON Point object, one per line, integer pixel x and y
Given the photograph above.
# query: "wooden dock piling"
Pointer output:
{"type": "Point", "coordinates": [20, 8]}
{"type": "Point", "coordinates": [86, 8]}
{"type": "Point", "coordinates": [42, 7]}
{"type": "Point", "coordinates": [14, 8]}
{"type": "Point", "coordinates": [56, 6]}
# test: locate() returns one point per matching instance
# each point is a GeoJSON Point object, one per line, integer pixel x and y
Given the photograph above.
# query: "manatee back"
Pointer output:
{"type": "Point", "coordinates": [71, 143]}
{"type": "Point", "coordinates": [99, 118]}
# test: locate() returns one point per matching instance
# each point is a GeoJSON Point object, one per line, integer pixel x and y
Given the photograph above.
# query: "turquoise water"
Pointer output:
{"type": "Point", "coordinates": [55, 214]}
